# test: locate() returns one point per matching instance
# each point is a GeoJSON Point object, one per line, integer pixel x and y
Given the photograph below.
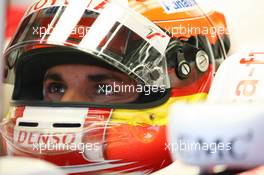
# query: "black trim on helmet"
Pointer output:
{"type": "Point", "coordinates": [134, 105]}
{"type": "Point", "coordinates": [31, 67]}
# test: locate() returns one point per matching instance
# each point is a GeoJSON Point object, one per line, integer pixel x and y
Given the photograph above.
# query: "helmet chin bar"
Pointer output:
{"type": "Point", "coordinates": [60, 130]}
{"type": "Point", "coordinates": [87, 139]}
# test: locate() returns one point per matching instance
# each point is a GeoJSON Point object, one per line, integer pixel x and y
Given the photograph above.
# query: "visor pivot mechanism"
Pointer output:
{"type": "Point", "coordinates": [187, 54]}
{"type": "Point", "coordinates": [202, 61]}
{"type": "Point", "coordinates": [183, 69]}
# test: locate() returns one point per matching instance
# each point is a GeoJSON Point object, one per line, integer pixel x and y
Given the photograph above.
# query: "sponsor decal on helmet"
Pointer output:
{"type": "Point", "coordinates": [29, 138]}
{"type": "Point", "coordinates": [173, 6]}
{"type": "Point", "coordinates": [39, 142]}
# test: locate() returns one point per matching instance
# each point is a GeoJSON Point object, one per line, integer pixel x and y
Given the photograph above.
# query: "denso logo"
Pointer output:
{"type": "Point", "coordinates": [25, 138]}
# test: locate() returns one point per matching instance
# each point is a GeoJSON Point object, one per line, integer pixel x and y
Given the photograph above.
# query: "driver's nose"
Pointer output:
{"type": "Point", "coordinates": [72, 95]}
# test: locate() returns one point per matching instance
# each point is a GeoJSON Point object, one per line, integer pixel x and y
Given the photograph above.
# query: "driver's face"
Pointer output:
{"type": "Point", "coordinates": [85, 83]}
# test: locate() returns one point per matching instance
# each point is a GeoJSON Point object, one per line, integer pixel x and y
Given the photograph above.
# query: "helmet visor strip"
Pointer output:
{"type": "Point", "coordinates": [114, 34]}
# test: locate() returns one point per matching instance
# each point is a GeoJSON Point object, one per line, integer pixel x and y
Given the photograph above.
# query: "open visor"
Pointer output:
{"type": "Point", "coordinates": [112, 34]}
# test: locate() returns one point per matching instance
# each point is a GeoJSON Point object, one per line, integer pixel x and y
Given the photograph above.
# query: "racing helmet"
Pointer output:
{"type": "Point", "coordinates": [148, 42]}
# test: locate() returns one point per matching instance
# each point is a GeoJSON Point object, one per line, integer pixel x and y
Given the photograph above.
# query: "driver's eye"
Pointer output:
{"type": "Point", "coordinates": [56, 88]}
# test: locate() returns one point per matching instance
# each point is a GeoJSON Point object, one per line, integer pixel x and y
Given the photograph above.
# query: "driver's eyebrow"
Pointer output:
{"type": "Point", "coordinates": [53, 76]}
{"type": "Point", "coordinates": [104, 77]}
